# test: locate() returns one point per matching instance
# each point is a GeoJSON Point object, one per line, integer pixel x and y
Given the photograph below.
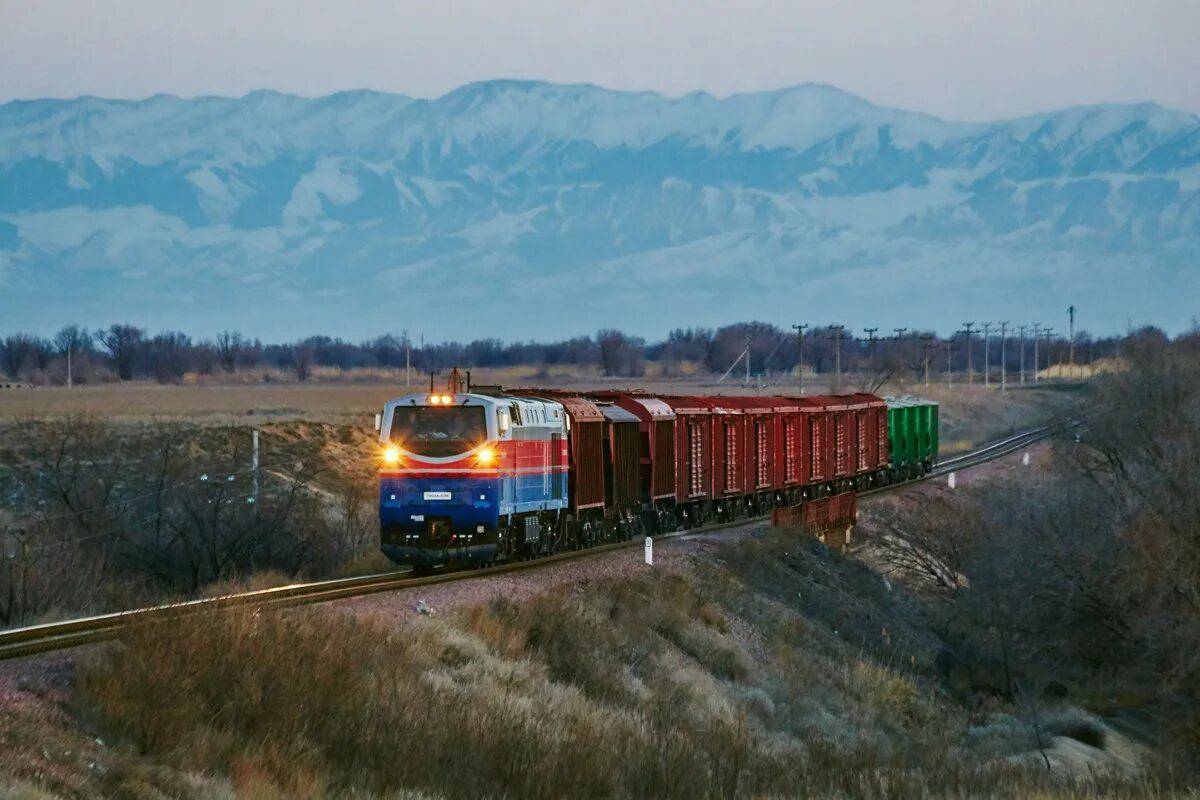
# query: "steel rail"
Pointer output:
{"type": "Point", "coordinates": [51, 636]}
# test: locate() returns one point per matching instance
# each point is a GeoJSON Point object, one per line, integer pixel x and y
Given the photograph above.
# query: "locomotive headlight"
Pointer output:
{"type": "Point", "coordinates": [391, 455]}
{"type": "Point", "coordinates": [485, 456]}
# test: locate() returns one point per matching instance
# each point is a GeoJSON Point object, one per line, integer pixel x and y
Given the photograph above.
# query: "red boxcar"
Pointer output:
{"type": "Point", "coordinates": [657, 452]}
{"type": "Point", "coordinates": [621, 489]}
{"type": "Point", "coordinates": [693, 448]}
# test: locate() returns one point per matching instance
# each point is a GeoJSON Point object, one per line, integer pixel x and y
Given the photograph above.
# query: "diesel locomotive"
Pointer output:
{"type": "Point", "coordinates": [474, 475]}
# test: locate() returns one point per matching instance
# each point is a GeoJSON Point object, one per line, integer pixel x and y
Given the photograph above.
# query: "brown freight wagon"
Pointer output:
{"type": "Point", "coordinates": [871, 444]}
{"type": "Point", "coordinates": [728, 447]}
{"type": "Point", "coordinates": [693, 449]}
{"type": "Point", "coordinates": [621, 456]}
{"type": "Point", "coordinates": [760, 431]}
{"type": "Point", "coordinates": [818, 439]}
{"type": "Point", "coordinates": [657, 460]}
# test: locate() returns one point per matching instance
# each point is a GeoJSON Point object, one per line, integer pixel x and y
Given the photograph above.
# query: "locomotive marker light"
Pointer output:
{"type": "Point", "coordinates": [485, 456]}
{"type": "Point", "coordinates": [649, 551]}
{"type": "Point", "coordinates": [391, 455]}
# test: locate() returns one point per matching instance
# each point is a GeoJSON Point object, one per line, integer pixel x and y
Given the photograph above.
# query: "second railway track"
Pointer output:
{"type": "Point", "coordinates": [88, 630]}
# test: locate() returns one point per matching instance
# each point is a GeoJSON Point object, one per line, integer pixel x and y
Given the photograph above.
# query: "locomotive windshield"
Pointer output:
{"type": "Point", "coordinates": [438, 431]}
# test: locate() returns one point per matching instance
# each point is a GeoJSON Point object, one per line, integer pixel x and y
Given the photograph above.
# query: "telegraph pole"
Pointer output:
{"type": "Point", "coordinates": [949, 368]}
{"type": "Point", "coordinates": [870, 332]}
{"type": "Point", "coordinates": [1036, 328]}
{"type": "Point", "coordinates": [837, 357]}
{"type": "Point", "coordinates": [800, 346]}
{"type": "Point", "coordinates": [1021, 329]}
{"type": "Point", "coordinates": [970, 369]}
{"type": "Point", "coordinates": [987, 354]}
{"type": "Point", "coordinates": [1047, 332]}
{"type": "Point", "coordinates": [926, 348]}
{"type": "Point", "coordinates": [407, 359]}
{"type": "Point", "coordinates": [1003, 355]}
{"type": "Point", "coordinates": [1071, 335]}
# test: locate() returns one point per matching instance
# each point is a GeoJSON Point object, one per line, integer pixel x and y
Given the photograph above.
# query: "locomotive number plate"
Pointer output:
{"type": "Point", "coordinates": [437, 495]}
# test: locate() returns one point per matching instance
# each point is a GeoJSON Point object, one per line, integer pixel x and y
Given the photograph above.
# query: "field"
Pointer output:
{"type": "Point", "coordinates": [971, 414]}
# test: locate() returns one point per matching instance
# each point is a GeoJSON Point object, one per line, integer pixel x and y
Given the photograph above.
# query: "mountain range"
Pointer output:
{"type": "Point", "coordinates": [527, 209]}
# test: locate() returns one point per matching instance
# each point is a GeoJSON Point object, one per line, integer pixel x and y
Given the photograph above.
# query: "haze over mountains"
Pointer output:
{"type": "Point", "coordinates": [525, 209]}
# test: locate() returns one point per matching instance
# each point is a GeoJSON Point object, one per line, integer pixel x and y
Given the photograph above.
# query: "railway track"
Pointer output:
{"type": "Point", "coordinates": [88, 630]}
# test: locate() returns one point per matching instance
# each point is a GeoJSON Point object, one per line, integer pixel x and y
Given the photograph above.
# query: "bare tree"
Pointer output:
{"type": "Point", "coordinates": [15, 351]}
{"type": "Point", "coordinates": [124, 344]}
{"type": "Point", "coordinates": [229, 347]}
{"type": "Point", "coordinates": [302, 360]}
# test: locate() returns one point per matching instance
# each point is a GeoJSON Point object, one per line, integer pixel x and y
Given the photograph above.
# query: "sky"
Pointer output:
{"type": "Point", "coordinates": [958, 59]}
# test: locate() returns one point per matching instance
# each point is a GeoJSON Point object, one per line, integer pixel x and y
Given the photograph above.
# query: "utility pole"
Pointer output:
{"type": "Point", "coordinates": [949, 368]}
{"type": "Point", "coordinates": [800, 352]}
{"type": "Point", "coordinates": [987, 354]}
{"type": "Point", "coordinates": [870, 332]}
{"type": "Point", "coordinates": [970, 369]}
{"type": "Point", "coordinates": [1003, 356]}
{"type": "Point", "coordinates": [927, 347]}
{"type": "Point", "coordinates": [837, 357]}
{"type": "Point", "coordinates": [70, 347]}
{"type": "Point", "coordinates": [1036, 327]}
{"type": "Point", "coordinates": [1071, 335]}
{"type": "Point", "coordinates": [1021, 330]}
{"type": "Point", "coordinates": [898, 352]}
{"type": "Point", "coordinates": [407, 360]}
{"type": "Point", "coordinates": [1048, 332]}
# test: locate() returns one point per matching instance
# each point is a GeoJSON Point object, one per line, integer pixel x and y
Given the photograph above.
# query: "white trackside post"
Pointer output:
{"type": "Point", "coordinates": [254, 464]}
{"type": "Point", "coordinates": [950, 481]}
{"type": "Point", "coordinates": [1025, 459]}
{"type": "Point", "coordinates": [649, 551]}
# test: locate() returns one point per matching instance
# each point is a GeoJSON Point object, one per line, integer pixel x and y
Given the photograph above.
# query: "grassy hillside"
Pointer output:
{"type": "Point", "coordinates": [777, 670]}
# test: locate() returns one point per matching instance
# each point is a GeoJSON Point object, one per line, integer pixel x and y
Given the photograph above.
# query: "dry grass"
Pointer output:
{"type": "Point", "coordinates": [723, 681]}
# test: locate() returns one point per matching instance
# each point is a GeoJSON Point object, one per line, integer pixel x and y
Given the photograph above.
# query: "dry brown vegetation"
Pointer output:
{"type": "Point", "coordinates": [97, 515]}
{"type": "Point", "coordinates": [1083, 577]}
{"type": "Point", "coordinates": [779, 671]}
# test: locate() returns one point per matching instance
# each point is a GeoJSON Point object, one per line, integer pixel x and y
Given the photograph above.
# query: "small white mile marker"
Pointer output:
{"type": "Point", "coordinates": [1025, 459]}
{"type": "Point", "coordinates": [649, 551]}
{"type": "Point", "coordinates": [950, 481]}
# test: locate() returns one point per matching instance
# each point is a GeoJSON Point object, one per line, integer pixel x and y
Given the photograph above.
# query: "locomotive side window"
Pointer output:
{"type": "Point", "coordinates": [438, 431]}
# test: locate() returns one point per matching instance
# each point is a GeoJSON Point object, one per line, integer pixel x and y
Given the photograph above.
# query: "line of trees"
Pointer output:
{"type": "Point", "coordinates": [127, 352]}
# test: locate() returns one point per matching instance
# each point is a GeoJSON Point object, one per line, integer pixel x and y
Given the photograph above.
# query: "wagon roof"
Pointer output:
{"type": "Point", "coordinates": [646, 408]}
{"type": "Point", "coordinates": [688, 403]}
{"type": "Point", "coordinates": [614, 413]}
{"type": "Point", "coordinates": [763, 403]}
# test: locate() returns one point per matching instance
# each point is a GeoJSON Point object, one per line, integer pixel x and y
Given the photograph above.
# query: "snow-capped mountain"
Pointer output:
{"type": "Point", "coordinates": [533, 209]}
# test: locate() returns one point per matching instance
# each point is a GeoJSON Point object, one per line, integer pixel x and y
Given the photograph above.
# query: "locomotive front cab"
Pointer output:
{"type": "Point", "coordinates": [439, 479]}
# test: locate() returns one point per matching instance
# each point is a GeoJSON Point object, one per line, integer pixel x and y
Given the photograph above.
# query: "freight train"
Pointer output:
{"type": "Point", "coordinates": [475, 475]}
